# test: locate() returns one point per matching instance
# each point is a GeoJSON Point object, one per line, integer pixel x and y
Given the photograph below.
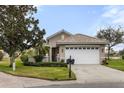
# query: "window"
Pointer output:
{"type": "Point", "coordinates": [67, 48]}
{"type": "Point", "coordinates": [84, 48]}
{"type": "Point", "coordinates": [92, 48]}
{"type": "Point", "coordinates": [80, 48]}
{"type": "Point", "coordinates": [75, 47]}
{"type": "Point", "coordinates": [88, 48]}
{"type": "Point", "coordinates": [71, 47]}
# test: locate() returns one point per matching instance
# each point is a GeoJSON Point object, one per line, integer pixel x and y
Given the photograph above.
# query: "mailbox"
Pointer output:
{"type": "Point", "coordinates": [71, 61]}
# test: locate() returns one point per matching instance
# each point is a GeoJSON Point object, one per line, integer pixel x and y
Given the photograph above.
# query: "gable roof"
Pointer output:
{"type": "Point", "coordinates": [59, 32]}
{"type": "Point", "coordinates": [81, 39]}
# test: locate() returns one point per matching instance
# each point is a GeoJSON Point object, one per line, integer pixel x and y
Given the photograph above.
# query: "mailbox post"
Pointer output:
{"type": "Point", "coordinates": [14, 66]}
{"type": "Point", "coordinates": [70, 67]}
{"type": "Point", "coordinates": [70, 61]}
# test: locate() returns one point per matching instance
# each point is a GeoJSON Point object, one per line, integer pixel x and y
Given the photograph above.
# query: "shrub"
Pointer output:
{"type": "Point", "coordinates": [62, 60]}
{"type": "Point", "coordinates": [1, 55]}
{"type": "Point", "coordinates": [123, 57]}
{"type": "Point", "coordinates": [46, 64]}
{"type": "Point", "coordinates": [104, 62]}
{"type": "Point", "coordinates": [31, 52]}
{"type": "Point", "coordinates": [38, 58]}
{"type": "Point", "coordinates": [24, 58]}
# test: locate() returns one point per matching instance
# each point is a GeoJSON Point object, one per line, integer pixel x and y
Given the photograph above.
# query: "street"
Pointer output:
{"type": "Point", "coordinates": [89, 85]}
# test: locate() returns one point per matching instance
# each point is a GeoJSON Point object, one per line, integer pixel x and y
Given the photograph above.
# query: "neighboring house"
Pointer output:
{"type": "Point", "coordinates": [84, 49]}
{"type": "Point", "coordinates": [5, 54]}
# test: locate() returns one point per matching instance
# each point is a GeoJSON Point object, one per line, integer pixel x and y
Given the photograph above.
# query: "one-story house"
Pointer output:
{"type": "Point", "coordinates": [84, 49]}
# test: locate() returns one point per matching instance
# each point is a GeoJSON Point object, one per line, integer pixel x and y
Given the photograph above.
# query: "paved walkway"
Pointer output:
{"type": "Point", "coordinates": [85, 74]}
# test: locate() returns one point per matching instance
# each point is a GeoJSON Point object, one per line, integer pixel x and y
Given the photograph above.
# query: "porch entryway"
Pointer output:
{"type": "Point", "coordinates": [53, 53]}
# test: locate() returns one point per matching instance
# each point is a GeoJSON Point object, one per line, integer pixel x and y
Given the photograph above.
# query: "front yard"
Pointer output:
{"type": "Point", "coordinates": [116, 64]}
{"type": "Point", "coordinates": [49, 73]}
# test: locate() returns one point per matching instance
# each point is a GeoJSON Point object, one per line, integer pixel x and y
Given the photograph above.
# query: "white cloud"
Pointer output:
{"type": "Point", "coordinates": [115, 14]}
{"type": "Point", "coordinates": [110, 12]}
{"type": "Point", "coordinates": [118, 47]}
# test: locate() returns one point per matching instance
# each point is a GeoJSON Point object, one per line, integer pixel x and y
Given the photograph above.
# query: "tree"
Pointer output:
{"type": "Point", "coordinates": [39, 43]}
{"type": "Point", "coordinates": [121, 52]}
{"type": "Point", "coordinates": [114, 36]}
{"type": "Point", "coordinates": [18, 29]}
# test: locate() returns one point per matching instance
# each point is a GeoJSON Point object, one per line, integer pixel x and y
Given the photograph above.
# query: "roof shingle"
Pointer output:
{"type": "Point", "coordinates": [81, 39]}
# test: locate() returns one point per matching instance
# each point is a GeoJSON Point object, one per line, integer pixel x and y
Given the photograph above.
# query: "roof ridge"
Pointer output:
{"type": "Point", "coordinates": [90, 36]}
{"type": "Point", "coordinates": [58, 32]}
{"type": "Point", "coordinates": [86, 35]}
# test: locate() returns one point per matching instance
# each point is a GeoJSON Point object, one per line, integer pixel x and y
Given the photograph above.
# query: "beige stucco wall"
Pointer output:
{"type": "Point", "coordinates": [62, 53]}
{"type": "Point", "coordinates": [102, 53]}
{"type": "Point", "coordinates": [52, 41]}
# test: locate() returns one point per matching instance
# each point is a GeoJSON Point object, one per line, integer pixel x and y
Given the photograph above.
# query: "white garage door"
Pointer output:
{"type": "Point", "coordinates": [83, 55]}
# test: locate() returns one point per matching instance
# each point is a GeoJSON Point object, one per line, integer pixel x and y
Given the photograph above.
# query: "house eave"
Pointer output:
{"type": "Point", "coordinates": [81, 43]}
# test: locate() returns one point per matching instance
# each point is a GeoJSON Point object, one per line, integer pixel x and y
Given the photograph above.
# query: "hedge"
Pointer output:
{"type": "Point", "coordinates": [46, 64]}
{"type": "Point", "coordinates": [123, 57]}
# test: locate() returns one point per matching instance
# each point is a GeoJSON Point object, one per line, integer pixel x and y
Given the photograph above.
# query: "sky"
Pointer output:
{"type": "Point", "coordinates": [82, 19]}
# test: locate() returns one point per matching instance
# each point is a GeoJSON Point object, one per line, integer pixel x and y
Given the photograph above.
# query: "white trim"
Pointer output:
{"type": "Point", "coordinates": [50, 54]}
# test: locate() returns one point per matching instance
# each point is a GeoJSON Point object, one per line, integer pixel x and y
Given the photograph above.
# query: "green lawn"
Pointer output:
{"type": "Point", "coordinates": [49, 73]}
{"type": "Point", "coordinates": [116, 64]}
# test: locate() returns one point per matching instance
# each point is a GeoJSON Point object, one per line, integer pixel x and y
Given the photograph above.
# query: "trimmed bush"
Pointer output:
{"type": "Point", "coordinates": [38, 58]}
{"type": "Point", "coordinates": [104, 62]}
{"type": "Point", "coordinates": [1, 55]}
{"type": "Point", "coordinates": [62, 60]}
{"type": "Point", "coordinates": [46, 64]}
{"type": "Point", "coordinates": [123, 57]}
{"type": "Point", "coordinates": [24, 58]}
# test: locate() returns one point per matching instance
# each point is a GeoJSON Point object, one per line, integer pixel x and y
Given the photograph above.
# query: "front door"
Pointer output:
{"type": "Point", "coordinates": [55, 51]}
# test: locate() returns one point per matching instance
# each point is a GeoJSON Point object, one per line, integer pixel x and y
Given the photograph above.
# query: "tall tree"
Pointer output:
{"type": "Point", "coordinates": [121, 52]}
{"type": "Point", "coordinates": [114, 36]}
{"type": "Point", "coordinates": [39, 42]}
{"type": "Point", "coordinates": [18, 29]}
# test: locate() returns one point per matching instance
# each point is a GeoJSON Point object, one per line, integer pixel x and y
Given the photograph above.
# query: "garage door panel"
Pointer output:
{"type": "Point", "coordinates": [83, 56]}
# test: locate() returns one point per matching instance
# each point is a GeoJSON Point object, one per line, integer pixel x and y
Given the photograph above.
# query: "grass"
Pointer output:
{"type": "Point", "coordinates": [48, 73]}
{"type": "Point", "coordinates": [116, 64]}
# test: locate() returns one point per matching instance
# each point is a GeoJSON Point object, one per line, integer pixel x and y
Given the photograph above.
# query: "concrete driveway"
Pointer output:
{"type": "Point", "coordinates": [97, 74]}
{"type": "Point", "coordinates": [85, 74]}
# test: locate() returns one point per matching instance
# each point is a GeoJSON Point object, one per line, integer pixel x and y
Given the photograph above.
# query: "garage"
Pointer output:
{"type": "Point", "coordinates": [83, 55]}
